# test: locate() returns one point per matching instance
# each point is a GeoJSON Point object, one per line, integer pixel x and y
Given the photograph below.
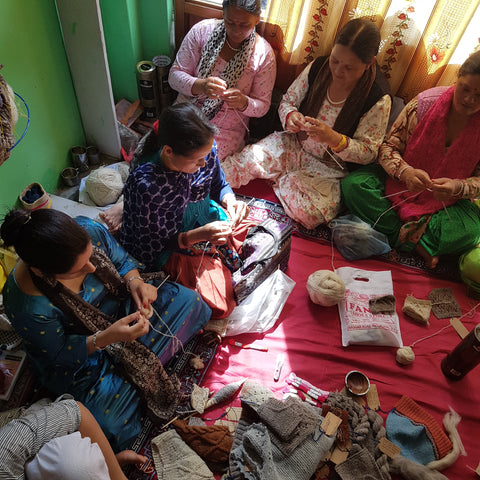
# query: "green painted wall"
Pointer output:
{"type": "Point", "coordinates": [35, 66]}
{"type": "Point", "coordinates": [134, 30]}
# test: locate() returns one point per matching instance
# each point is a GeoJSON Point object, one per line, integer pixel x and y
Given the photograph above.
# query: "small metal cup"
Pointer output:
{"type": "Point", "coordinates": [70, 177]}
{"type": "Point", "coordinates": [79, 158]}
{"type": "Point", "coordinates": [357, 383]}
{"type": "Point", "coordinates": [93, 155]}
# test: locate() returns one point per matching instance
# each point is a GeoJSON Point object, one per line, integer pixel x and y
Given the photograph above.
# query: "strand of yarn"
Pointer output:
{"type": "Point", "coordinates": [325, 288]}
{"type": "Point", "coordinates": [406, 356]}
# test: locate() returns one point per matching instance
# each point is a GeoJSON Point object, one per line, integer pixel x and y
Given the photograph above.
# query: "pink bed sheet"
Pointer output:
{"type": "Point", "coordinates": [310, 337]}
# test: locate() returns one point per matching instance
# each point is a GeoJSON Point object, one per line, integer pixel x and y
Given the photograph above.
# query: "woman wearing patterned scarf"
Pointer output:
{"type": "Point", "coordinates": [336, 112]}
{"type": "Point", "coordinates": [228, 70]}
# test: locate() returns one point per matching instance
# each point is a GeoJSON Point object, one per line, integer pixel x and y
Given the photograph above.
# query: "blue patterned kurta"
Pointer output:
{"type": "Point", "coordinates": [155, 201]}
{"type": "Point", "coordinates": [60, 356]}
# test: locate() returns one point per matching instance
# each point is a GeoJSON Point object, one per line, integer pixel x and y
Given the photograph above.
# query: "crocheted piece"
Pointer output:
{"type": "Point", "coordinates": [416, 432]}
{"type": "Point", "coordinates": [199, 398]}
{"type": "Point", "coordinates": [175, 460]}
{"type": "Point", "coordinates": [385, 305]}
{"type": "Point", "coordinates": [417, 309]}
{"type": "Point", "coordinates": [366, 429]}
{"type": "Point", "coordinates": [444, 303]}
{"type": "Point", "coordinates": [290, 422]}
{"type": "Point", "coordinates": [212, 443]}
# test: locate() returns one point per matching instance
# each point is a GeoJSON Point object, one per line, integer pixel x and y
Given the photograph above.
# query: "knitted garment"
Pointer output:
{"type": "Point", "coordinates": [417, 309]}
{"type": "Point", "coordinates": [366, 429]}
{"type": "Point", "coordinates": [382, 305]}
{"type": "Point", "coordinates": [360, 465]}
{"type": "Point", "coordinates": [288, 422]}
{"type": "Point", "coordinates": [255, 455]}
{"type": "Point", "coordinates": [416, 432]}
{"type": "Point", "coordinates": [175, 460]}
{"type": "Point", "coordinates": [426, 150]}
{"type": "Point", "coordinates": [444, 303]}
{"type": "Point", "coordinates": [212, 443]}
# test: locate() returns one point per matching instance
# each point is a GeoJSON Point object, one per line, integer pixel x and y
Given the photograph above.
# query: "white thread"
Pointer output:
{"type": "Point", "coordinates": [393, 194]}
{"type": "Point", "coordinates": [393, 206]}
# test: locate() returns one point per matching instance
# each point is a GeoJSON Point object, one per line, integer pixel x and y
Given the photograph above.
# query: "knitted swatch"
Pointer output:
{"type": "Point", "coordinates": [360, 465]}
{"type": "Point", "coordinates": [444, 303]}
{"type": "Point", "coordinates": [416, 432]}
{"type": "Point", "coordinates": [212, 443]}
{"type": "Point", "coordinates": [385, 305]}
{"type": "Point", "coordinates": [417, 309]}
{"type": "Point", "coordinates": [289, 422]}
{"type": "Point", "coordinates": [175, 460]}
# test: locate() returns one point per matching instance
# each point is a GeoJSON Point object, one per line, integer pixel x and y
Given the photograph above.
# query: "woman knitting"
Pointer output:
{"type": "Point", "coordinates": [180, 214]}
{"type": "Point", "coordinates": [76, 299]}
{"type": "Point", "coordinates": [336, 112]}
{"type": "Point", "coordinates": [421, 197]}
{"type": "Point", "coordinates": [225, 68]}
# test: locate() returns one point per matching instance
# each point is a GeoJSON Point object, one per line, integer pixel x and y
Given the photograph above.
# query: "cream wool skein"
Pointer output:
{"type": "Point", "coordinates": [325, 288]}
{"type": "Point", "coordinates": [104, 186]}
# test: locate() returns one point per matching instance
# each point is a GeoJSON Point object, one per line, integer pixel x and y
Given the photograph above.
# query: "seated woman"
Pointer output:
{"type": "Point", "coordinates": [75, 299]}
{"type": "Point", "coordinates": [174, 201]}
{"type": "Point", "coordinates": [335, 112]}
{"type": "Point", "coordinates": [225, 68]}
{"type": "Point", "coordinates": [419, 195]}
{"type": "Point", "coordinates": [59, 440]}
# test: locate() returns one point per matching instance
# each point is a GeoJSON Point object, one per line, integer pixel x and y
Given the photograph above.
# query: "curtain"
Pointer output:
{"type": "Point", "coordinates": [423, 42]}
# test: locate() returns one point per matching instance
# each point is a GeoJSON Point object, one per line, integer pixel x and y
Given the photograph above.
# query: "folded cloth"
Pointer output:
{"type": "Point", "coordinates": [175, 460]}
{"type": "Point", "coordinates": [416, 432]}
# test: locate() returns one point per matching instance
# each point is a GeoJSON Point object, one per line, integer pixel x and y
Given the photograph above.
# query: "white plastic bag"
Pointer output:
{"type": "Point", "coordinates": [261, 309]}
{"type": "Point", "coordinates": [359, 325]}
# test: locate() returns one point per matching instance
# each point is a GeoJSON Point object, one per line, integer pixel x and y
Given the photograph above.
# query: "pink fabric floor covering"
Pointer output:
{"type": "Point", "coordinates": [310, 337]}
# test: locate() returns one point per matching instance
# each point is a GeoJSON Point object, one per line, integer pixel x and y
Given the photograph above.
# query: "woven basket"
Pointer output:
{"type": "Point", "coordinates": [43, 201]}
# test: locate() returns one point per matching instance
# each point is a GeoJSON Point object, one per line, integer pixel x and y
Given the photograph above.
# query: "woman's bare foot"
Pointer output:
{"type": "Point", "coordinates": [113, 217]}
{"type": "Point", "coordinates": [129, 457]}
{"type": "Point", "coordinates": [430, 262]}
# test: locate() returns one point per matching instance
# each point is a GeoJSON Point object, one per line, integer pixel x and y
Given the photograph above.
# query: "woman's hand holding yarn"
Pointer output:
{"type": "Point", "coordinates": [446, 188]}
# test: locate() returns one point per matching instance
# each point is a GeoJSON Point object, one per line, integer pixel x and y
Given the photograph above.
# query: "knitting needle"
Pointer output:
{"type": "Point", "coordinates": [250, 346]}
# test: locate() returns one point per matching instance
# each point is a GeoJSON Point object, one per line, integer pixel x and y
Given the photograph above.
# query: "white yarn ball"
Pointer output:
{"type": "Point", "coordinates": [104, 186]}
{"type": "Point", "coordinates": [325, 288]}
{"type": "Point", "coordinates": [405, 356]}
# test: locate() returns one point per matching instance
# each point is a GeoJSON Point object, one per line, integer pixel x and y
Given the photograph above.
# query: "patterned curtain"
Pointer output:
{"type": "Point", "coordinates": [423, 41]}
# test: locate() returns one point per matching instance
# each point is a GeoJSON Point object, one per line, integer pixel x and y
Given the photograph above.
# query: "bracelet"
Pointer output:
{"type": "Point", "coordinates": [245, 107]}
{"type": "Point", "coordinates": [340, 144]}
{"type": "Point", "coordinates": [136, 277]}
{"type": "Point", "coordinates": [402, 170]}
{"type": "Point", "coordinates": [461, 190]}
{"type": "Point", "coordinates": [95, 346]}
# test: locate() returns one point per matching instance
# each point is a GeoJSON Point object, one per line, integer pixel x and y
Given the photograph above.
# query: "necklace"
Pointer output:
{"type": "Point", "coordinates": [331, 102]}
{"type": "Point", "coordinates": [230, 47]}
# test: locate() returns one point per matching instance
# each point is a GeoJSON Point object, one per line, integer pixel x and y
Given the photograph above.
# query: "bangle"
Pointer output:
{"type": "Point", "coordinates": [340, 144]}
{"type": "Point", "coordinates": [402, 170]}
{"type": "Point", "coordinates": [95, 346]}
{"type": "Point", "coordinates": [461, 190]}
{"type": "Point", "coordinates": [245, 107]}
{"type": "Point", "coordinates": [136, 277]}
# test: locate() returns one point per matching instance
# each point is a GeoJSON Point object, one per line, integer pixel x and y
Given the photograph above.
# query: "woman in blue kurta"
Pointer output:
{"type": "Point", "coordinates": [67, 359]}
{"type": "Point", "coordinates": [177, 200]}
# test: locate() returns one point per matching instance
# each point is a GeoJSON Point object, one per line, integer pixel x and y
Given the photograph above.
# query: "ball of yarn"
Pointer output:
{"type": "Point", "coordinates": [104, 186]}
{"type": "Point", "coordinates": [325, 288]}
{"type": "Point", "coordinates": [405, 356]}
